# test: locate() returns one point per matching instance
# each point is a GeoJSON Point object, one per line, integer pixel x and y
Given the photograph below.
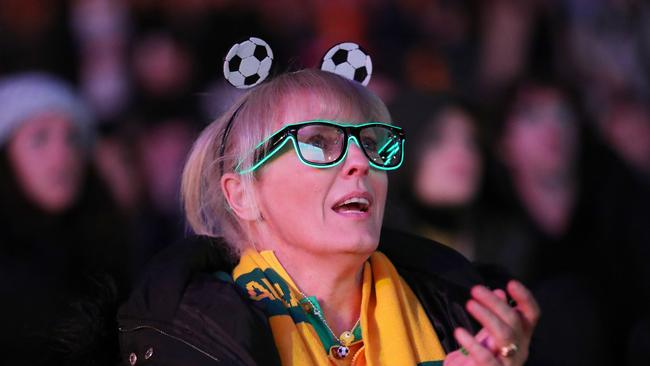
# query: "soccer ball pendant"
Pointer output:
{"type": "Point", "coordinates": [342, 351]}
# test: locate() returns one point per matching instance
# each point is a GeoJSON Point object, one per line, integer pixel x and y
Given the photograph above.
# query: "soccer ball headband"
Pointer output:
{"type": "Point", "coordinates": [249, 63]}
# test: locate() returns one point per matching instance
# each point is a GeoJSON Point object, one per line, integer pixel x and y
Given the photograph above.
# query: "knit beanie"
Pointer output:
{"type": "Point", "coordinates": [26, 95]}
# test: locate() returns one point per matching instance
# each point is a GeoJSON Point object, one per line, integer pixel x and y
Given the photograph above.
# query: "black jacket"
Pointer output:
{"type": "Point", "coordinates": [182, 314]}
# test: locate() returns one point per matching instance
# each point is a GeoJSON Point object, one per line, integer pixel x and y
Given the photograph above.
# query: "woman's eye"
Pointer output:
{"type": "Point", "coordinates": [317, 141]}
{"type": "Point", "coordinates": [39, 138]}
{"type": "Point", "coordinates": [369, 143]}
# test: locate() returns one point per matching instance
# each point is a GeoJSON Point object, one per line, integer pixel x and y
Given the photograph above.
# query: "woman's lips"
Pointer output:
{"type": "Point", "coordinates": [355, 204]}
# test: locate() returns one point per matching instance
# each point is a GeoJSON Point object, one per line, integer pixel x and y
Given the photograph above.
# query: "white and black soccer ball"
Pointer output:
{"type": "Point", "coordinates": [342, 351]}
{"type": "Point", "coordinates": [350, 61]}
{"type": "Point", "coordinates": [248, 63]}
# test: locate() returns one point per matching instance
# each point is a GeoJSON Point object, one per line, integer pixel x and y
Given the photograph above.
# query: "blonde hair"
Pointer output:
{"type": "Point", "coordinates": [255, 116]}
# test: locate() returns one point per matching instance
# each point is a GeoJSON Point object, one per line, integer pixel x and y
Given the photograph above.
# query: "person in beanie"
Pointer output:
{"type": "Point", "coordinates": [63, 248]}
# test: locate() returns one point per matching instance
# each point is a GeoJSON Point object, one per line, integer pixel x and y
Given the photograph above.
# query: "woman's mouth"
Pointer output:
{"type": "Point", "coordinates": [356, 204]}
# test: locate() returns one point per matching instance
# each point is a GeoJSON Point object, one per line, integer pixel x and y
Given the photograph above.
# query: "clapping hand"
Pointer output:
{"type": "Point", "coordinates": [506, 333]}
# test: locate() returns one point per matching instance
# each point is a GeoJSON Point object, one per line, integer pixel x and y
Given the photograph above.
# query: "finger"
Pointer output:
{"type": "Point", "coordinates": [526, 303]}
{"type": "Point", "coordinates": [501, 332]}
{"type": "Point", "coordinates": [496, 305]}
{"type": "Point", "coordinates": [482, 335]}
{"type": "Point", "coordinates": [503, 296]}
{"type": "Point", "coordinates": [455, 358]}
{"type": "Point", "coordinates": [500, 294]}
{"type": "Point", "coordinates": [487, 340]}
{"type": "Point", "coordinates": [479, 354]}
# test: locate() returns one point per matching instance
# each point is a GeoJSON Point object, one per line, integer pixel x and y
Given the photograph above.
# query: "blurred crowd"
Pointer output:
{"type": "Point", "coordinates": [528, 129]}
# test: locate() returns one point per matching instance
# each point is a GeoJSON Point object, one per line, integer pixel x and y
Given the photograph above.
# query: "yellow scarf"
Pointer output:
{"type": "Point", "coordinates": [395, 329]}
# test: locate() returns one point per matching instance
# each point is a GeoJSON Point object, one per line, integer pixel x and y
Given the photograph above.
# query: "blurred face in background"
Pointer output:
{"type": "Point", "coordinates": [161, 65]}
{"type": "Point", "coordinates": [627, 130]}
{"type": "Point", "coordinates": [449, 168]}
{"type": "Point", "coordinates": [540, 136]}
{"type": "Point", "coordinates": [47, 158]}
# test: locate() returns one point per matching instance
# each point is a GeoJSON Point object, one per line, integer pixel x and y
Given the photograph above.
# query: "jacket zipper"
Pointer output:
{"type": "Point", "coordinates": [170, 336]}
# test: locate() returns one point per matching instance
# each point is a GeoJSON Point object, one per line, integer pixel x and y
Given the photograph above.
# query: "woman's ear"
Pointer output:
{"type": "Point", "coordinates": [233, 190]}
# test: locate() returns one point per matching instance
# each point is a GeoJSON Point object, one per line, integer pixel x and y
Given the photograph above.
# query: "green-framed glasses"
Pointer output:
{"type": "Point", "coordinates": [324, 144]}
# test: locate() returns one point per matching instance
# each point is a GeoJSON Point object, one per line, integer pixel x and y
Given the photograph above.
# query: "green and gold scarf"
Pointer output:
{"type": "Point", "coordinates": [395, 330]}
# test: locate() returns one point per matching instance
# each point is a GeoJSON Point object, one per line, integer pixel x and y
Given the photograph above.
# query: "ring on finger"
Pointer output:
{"type": "Point", "coordinates": [509, 350]}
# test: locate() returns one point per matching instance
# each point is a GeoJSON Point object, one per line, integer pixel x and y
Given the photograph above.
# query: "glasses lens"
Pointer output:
{"type": "Point", "coordinates": [383, 145]}
{"type": "Point", "coordinates": [320, 144]}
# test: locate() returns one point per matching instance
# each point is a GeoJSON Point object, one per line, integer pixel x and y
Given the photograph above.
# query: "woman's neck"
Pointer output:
{"type": "Point", "coordinates": [336, 282]}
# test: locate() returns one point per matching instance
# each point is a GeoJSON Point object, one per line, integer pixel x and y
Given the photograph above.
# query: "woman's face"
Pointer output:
{"type": "Point", "coordinates": [302, 206]}
{"type": "Point", "coordinates": [449, 167]}
{"type": "Point", "coordinates": [541, 134]}
{"type": "Point", "coordinates": [47, 159]}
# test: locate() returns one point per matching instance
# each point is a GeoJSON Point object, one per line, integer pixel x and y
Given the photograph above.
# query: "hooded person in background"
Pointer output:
{"type": "Point", "coordinates": [63, 248]}
{"type": "Point", "coordinates": [441, 179]}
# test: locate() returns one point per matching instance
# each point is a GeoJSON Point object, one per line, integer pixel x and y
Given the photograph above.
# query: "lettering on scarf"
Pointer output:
{"type": "Point", "coordinates": [272, 292]}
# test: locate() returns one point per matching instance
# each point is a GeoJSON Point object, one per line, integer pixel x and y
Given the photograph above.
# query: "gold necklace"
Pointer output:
{"type": "Point", "coordinates": [344, 340]}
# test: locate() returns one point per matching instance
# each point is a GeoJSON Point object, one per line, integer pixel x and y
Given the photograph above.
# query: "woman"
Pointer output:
{"type": "Point", "coordinates": [60, 234]}
{"type": "Point", "coordinates": [440, 182]}
{"type": "Point", "coordinates": [299, 206]}
{"type": "Point", "coordinates": [562, 200]}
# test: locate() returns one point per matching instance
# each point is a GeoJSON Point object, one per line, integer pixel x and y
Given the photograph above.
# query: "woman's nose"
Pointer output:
{"type": "Point", "coordinates": [356, 162]}
{"type": "Point", "coordinates": [63, 152]}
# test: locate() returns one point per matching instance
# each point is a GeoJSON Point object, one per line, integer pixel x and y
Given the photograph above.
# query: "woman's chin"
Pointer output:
{"type": "Point", "coordinates": [362, 243]}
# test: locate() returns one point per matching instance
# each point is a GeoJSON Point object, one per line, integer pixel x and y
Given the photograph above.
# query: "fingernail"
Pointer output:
{"type": "Point", "coordinates": [516, 284]}
{"type": "Point", "coordinates": [462, 335]}
{"type": "Point", "coordinates": [500, 293]}
{"type": "Point", "coordinates": [471, 305]}
{"type": "Point", "coordinates": [479, 290]}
